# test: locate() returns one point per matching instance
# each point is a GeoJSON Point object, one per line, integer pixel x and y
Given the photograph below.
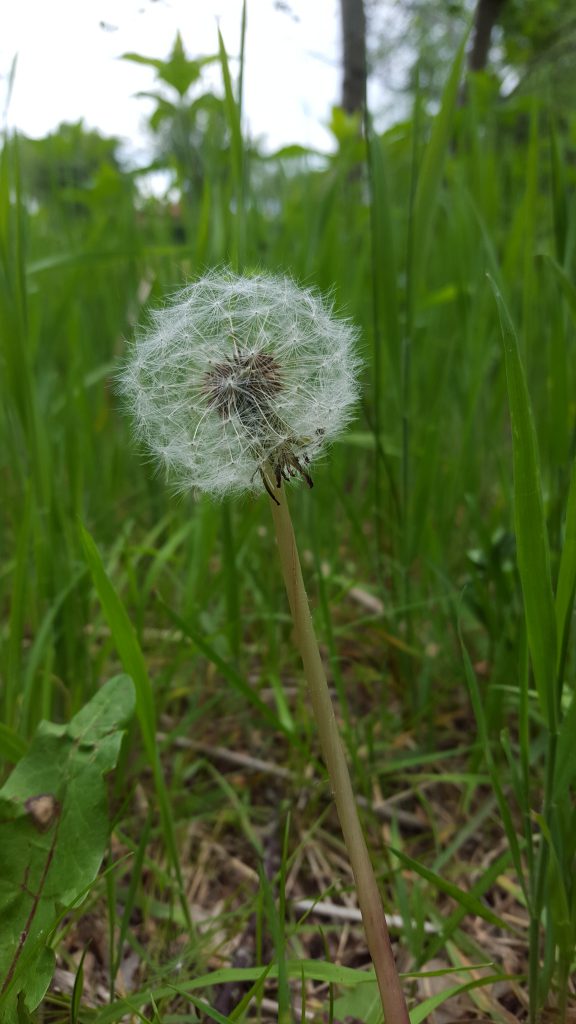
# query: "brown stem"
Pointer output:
{"type": "Point", "coordinates": [485, 18]}
{"type": "Point", "coordinates": [393, 1003]}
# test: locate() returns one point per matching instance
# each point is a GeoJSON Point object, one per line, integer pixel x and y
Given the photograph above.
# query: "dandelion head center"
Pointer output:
{"type": "Point", "coordinates": [245, 384]}
{"type": "Point", "coordinates": [238, 382]}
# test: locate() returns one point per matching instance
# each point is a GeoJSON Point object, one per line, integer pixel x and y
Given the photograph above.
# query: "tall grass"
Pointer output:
{"type": "Point", "coordinates": [437, 537]}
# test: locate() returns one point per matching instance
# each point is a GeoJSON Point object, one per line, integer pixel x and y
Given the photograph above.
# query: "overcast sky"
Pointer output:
{"type": "Point", "coordinates": [68, 67]}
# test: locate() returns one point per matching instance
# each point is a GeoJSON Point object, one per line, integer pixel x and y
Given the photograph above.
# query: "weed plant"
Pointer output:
{"type": "Point", "coordinates": [440, 538]}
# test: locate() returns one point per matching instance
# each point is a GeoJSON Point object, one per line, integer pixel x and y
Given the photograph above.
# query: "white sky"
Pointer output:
{"type": "Point", "coordinates": [68, 66]}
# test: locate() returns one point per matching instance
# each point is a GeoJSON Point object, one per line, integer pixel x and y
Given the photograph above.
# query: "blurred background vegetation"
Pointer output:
{"type": "Point", "coordinates": [408, 535]}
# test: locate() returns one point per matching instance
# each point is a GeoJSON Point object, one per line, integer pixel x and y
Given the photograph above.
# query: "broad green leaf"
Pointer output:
{"type": "Point", "coordinates": [530, 522]}
{"type": "Point", "coordinates": [53, 834]}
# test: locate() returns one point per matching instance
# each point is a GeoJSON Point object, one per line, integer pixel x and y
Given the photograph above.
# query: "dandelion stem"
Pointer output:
{"type": "Point", "coordinates": [378, 939]}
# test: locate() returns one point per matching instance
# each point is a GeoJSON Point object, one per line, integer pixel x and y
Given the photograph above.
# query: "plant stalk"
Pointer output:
{"type": "Point", "coordinates": [376, 929]}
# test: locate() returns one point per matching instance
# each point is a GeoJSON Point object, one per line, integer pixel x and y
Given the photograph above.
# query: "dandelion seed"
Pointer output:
{"type": "Point", "coordinates": [237, 374]}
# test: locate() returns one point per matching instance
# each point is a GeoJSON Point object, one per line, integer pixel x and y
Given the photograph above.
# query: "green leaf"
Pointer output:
{"type": "Point", "coordinates": [384, 264]}
{"type": "Point", "coordinates": [133, 661]}
{"type": "Point", "coordinates": [78, 989]}
{"type": "Point", "coordinates": [566, 284]}
{"type": "Point", "coordinates": [419, 1014]}
{"type": "Point", "coordinates": [53, 834]}
{"type": "Point", "coordinates": [317, 970]}
{"type": "Point", "coordinates": [233, 114]}
{"type": "Point", "coordinates": [566, 587]}
{"type": "Point", "coordinates": [232, 110]}
{"type": "Point", "coordinates": [230, 673]}
{"type": "Point", "coordinates": [12, 746]}
{"type": "Point", "coordinates": [20, 583]}
{"type": "Point", "coordinates": [178, 71]}
{"type": "Point", "coordinates": [531, 534]}
{"type": "Point", "coordinates": [359, 1002]}
{"type": "Point", "coordinates": [290, 152]}
{"type": "Point", "coordinates": [126, 642]}
{"type": "Point", "coordinates": [468, 900]}
{"type": "Point", "coordinates": [430, 175]}
{"type": "Point", "coordinates": [493, 767]}
{"type": "Point", "coordinates": [565, 768]}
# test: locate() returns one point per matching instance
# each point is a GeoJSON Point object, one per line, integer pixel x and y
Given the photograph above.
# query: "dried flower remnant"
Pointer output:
{"type": "Point", "coordinates": [241, 381]}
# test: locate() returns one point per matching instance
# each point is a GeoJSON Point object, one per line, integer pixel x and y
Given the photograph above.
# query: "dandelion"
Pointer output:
{"type": "Point", "coordinates": [241, 382]}
{"type": "Point", "coordinates": [238, 384]}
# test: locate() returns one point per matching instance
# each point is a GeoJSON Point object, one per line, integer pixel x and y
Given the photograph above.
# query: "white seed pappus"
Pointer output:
{"type": "Point", "coordinates": [238, 373]}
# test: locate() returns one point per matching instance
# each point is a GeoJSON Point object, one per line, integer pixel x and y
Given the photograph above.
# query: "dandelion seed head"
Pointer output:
{"type": "Point", "coordinates": [236, 373]}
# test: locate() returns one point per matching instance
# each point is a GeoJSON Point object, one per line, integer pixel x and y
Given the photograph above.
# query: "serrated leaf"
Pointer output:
{"type": "Point", "coordinates": [53, 835]}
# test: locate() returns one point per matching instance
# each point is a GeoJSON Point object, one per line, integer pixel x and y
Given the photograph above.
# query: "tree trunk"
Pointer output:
{"type": "Point", "coordinates": [487, 14]}
{"type": "Point", "coordinates": [354, 55]}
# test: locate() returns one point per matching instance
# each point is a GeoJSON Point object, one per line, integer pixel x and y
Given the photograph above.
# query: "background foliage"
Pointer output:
{"type": "Point", "coordinates": [428, 593]}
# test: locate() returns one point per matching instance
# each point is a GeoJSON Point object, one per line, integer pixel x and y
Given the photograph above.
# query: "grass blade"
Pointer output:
{"type": "Point", "coordinates": [12, 746]}
{"type": "Point", "coordinates": [228, 671]}
{"type": "Point", "coordinates": [493, 768]}
{"type": "Point", "coordinates": [233, 111]}
{"type": "Point", "coordinates": [384, 267]}
{"type": "Point", "coordinates": [566, 587]}
{"type": "Point", "coordinates": [430, 175]}
{"type": "Point", "coordinates": [566, 284]}
{"type": "Point", "coordinates": [531, 533]}
{"type": "Point", "coordinates": [467, 900]}
{"type": "Point", "coordinates": [133, 661]}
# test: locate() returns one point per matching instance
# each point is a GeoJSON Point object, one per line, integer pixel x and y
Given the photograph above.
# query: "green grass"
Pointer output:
{"type": "Point", "coordinates": [438, 545]}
